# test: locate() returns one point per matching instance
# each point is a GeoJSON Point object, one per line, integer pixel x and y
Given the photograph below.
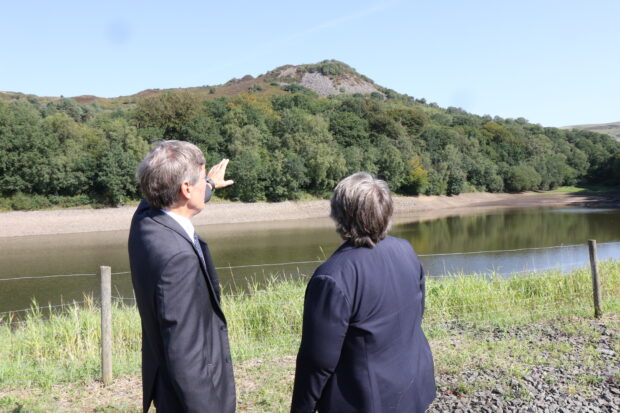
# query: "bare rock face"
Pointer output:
{"type": "Point", "coordinates": [325, 86]}
{"type": "Point", "coordinates": [322, 85]}
{"type": "Point", "coordinates": [325, 78]}
{"type": "Point", "coordinates": [289, 71]}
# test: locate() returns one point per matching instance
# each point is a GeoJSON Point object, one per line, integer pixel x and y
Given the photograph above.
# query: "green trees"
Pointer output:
{"type": "Point", "coordinates": [348, 129]}
{"type": "Point", "coordinates": [416, 180]}
{"type": "Point", "coordinates": [614, 176]}
{"type": "Point", "coordinates": [390, 164]}
{"type": "Point", "coordinates": [168, 113]}
{"type": "Point", "coordinates": [20, 145]}
{"type": "Point", "coordinates": [522, 177]}
{"type": "Point", "coordinates": [59, 157]}
{"type": "Point", "coordinates": [287, 144]}
{"type": "Point", "coordinates": [249, 170]}
{"type": "Point", "coordinates": [484, 175]}
{"type": "Point", "coordinates": [286, 176]}
{"type": "Point", "coordinates": [122, 151]}
{"type": "Point", "coordinates": [308, 136]}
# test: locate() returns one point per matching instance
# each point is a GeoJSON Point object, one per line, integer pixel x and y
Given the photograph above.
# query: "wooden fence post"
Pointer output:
{"type": "Point", "coordinates": [596, 287]}
{"type": "Point", "coordinates": [106, 324]}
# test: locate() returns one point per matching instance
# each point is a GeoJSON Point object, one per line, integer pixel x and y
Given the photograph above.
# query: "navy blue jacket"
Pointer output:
{"type": "Point", "coordinates": [362, 346]}
{"type": "Point", "coordinates": [186, 365]}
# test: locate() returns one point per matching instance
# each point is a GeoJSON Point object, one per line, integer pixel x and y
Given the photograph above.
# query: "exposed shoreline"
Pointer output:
{"type": "Point", "coordinates": [66, 221]}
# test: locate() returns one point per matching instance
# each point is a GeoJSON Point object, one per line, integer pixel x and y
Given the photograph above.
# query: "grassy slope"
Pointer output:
{"type": "Point", "coordinates": [611, 129]}
{"type": "Point", "coordinates": [264, 85]}
{"type": "Point", "coordinates": [38, 357]}
{"type": "Point", "coordinates": [584, 190]}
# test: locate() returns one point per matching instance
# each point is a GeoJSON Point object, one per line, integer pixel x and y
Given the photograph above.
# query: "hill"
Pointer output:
{"type": "Point", "coordinates": [329, 77]}
{"type": "Point", "coordinates": [611, 129]}
{"type": "Point", "coordinates": [290, 133]}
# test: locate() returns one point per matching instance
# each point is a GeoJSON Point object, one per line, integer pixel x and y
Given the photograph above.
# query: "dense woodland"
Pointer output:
{"type": "Point", "coordinates": [286, 145]}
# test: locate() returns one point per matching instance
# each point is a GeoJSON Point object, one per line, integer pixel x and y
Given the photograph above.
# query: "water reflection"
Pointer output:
{"type": "Point", "coordinates": [510, 229]}
{"type": "Point", "coordinates": [302, 243]}
{"type": "Point", "coordinates": [526, 260]}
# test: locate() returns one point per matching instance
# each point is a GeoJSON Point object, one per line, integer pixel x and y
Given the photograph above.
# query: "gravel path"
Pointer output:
{"type": "Point", "coordinates": [570, 385]}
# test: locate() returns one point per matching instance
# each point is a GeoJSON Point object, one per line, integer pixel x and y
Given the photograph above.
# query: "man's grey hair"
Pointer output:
{"type": "Point", "coordinates": [362, 207]}
{"type": "Point", "coordinates": [165, 168]}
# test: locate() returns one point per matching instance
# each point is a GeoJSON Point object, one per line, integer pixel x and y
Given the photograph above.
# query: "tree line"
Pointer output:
{"type": "Point", "coordinates": [283, 146]}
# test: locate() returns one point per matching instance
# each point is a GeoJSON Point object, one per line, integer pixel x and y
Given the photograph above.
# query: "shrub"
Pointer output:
{"type": "Point", "coordinates": [294, 88]}
{"type": "Point", "coordinates": [522, 178]}
{"type": "Point", "coordinates": [70, 201]}
{"type": "Point", "coordinates": [456, 180]}
{"type": "Point", "coordinates": [27, 202]}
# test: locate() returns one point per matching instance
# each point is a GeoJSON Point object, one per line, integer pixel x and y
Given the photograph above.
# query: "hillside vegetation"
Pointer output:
{"type": "Point", "coordinates": [611, 129]}
{"type": "Point", "coordinates": [293, 131]}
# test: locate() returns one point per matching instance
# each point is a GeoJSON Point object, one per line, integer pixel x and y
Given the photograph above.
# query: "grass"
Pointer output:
{"type": "Point", "coordinates": [586, 189]}
{"type": "Point", "coordinates": [474, 322]}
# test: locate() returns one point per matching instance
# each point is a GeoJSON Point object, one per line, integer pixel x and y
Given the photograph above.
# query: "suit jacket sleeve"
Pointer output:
{"type": "Point", "coordinates": [325, 323]}
{"type": "Point", "coordinates": [182, 326]}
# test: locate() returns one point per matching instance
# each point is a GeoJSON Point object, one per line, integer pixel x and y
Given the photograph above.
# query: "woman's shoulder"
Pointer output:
{"type": "Point", "coordinates": [391, 241]}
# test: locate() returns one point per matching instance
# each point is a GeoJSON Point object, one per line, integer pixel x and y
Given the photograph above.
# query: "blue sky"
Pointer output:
{"type": "Point", "coordinates": [556, 63]}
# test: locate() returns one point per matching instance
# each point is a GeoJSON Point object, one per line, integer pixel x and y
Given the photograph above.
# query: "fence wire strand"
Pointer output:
{"type": "Point", "coordinates": [283, 264]}
{"type": "Point", "coordinates": [491, 274]}
{"type": "Point", "coordinates": [36, 277]}
{"type": "Point", "coordinates": [501, 251]}
{"type": "Point", "coordinates": [37, 309]}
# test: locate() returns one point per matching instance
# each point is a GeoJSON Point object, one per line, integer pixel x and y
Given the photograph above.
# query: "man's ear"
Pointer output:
{"type": "Point", "coordinates": [186, 190]}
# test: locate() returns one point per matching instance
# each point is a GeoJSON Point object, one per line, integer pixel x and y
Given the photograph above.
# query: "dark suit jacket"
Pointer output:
{"type": "Point", "coordinates": [362, 346]}
{"type": "Point", "coordinates": [186, 364]}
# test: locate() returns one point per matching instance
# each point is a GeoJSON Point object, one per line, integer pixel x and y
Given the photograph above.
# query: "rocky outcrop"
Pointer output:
{"type": "Point", "coordinates": [325, 86]}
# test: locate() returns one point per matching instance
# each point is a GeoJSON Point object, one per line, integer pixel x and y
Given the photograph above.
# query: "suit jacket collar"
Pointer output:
{"type": "Point", "coordinates": [208, 269]}
{"type": "Point", "coordinates": [164, 219]}
{"type": "Point", "coordinates": [184, 222]}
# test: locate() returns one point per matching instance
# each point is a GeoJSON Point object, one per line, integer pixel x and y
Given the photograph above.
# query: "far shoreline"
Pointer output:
{"type": "Point", "coordinates": [67, 221]}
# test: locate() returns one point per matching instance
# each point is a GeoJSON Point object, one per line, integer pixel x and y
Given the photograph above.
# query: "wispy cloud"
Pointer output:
{"type": "Point", "coordinates": [265, 48]}
{"type": "Point", "coordinates": [338, 21]}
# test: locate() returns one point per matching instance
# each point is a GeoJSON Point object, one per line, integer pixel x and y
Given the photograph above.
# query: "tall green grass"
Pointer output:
{"type": "Point", "coordinates": [46, 348]}
{"type": "Point", "coordinates": [495, 299]}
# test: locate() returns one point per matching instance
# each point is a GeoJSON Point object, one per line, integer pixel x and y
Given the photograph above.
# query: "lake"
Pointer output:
{"type": "Point", "coordinates": [504, 241]}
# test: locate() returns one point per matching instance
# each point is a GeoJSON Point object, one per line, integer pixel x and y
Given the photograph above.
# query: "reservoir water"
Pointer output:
{"type": "Point", "coordinates": [503, 241]}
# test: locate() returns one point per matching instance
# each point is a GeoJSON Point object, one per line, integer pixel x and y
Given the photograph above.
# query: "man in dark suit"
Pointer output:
{"type": "Point", "coordinates": [186, 363]}
{"type": "Point", "coordinates": [362, 347]}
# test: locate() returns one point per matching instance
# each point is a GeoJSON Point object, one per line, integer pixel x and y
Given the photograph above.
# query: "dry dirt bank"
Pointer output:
{"type": "Point", "coordinates": [23, 223]}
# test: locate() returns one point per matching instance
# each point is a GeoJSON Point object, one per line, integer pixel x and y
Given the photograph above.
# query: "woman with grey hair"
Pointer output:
{"type": "Point", "coordinates": [362, 346]}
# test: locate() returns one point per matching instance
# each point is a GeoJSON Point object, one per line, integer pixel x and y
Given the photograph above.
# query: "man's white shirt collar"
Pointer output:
{"type": "Point", "coordinates": [185, 223]}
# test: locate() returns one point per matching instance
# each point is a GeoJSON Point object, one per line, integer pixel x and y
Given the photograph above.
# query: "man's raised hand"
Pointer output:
{"type": "Point", "coordinates": [217, 174]}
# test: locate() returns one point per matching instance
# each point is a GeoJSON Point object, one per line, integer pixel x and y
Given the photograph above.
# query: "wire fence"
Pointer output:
{"type": "Point", "coordinates": [267, 320]}
{"type": "Point", "coordinates": [530, 261]}
{"type": "Point", "coordinates": [606, 250]}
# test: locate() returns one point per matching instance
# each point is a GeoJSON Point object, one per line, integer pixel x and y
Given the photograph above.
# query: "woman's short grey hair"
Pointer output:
{"type": "Point", "coordinates": [165, 168]}
{"type": "Point", "coordinates": [362, 208]}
